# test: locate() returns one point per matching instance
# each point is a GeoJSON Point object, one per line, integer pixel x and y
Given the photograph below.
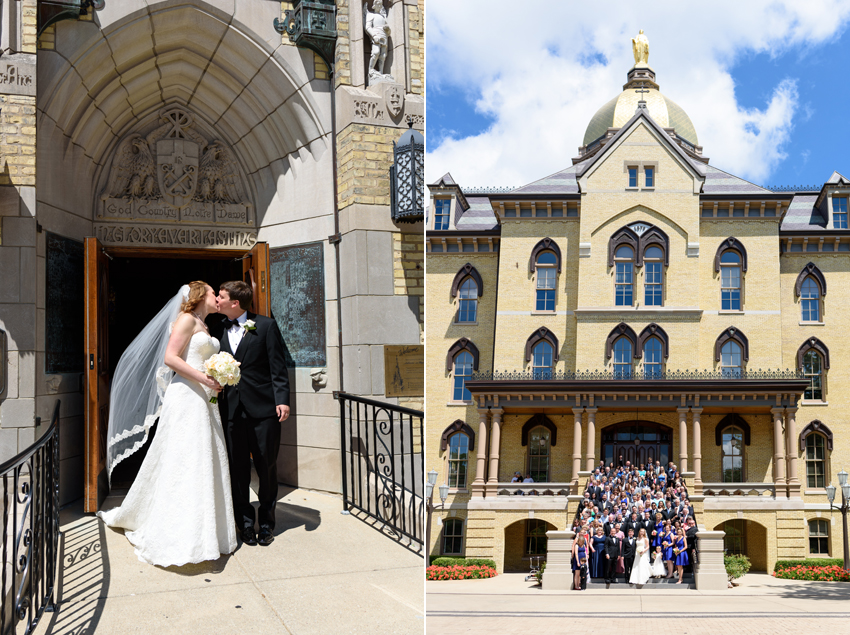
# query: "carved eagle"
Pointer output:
{"type": "Point", "coordinates": [133, 173]}
{"type": "Point", "coordinates": [218, 181]}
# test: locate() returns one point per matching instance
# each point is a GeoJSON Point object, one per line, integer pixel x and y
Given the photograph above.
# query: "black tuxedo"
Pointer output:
{"type": "Point", "coordinates": [612, 553]}
{"type": "Point", "coordinates": [248, 411]}
{"type": "Point", "coordinates": [629, 550]}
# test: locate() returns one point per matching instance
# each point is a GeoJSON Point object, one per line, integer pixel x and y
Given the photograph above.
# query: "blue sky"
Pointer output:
{"type": "Point", "coordinates": [509, 93]}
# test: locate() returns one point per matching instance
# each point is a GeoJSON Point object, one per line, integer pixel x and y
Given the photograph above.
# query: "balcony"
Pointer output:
{"type": "Point", "coordinates": [542, 490]}
{"type": "Point", "coordinates": [743, 496]}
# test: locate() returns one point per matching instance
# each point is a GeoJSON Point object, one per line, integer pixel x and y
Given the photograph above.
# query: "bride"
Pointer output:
{"type": "Point", "coordinates": [641, 567]}
{"type": "Point", "coordinates": [179, 508]}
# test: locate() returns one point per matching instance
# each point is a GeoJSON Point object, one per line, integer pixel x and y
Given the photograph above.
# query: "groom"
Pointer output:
{"type": "Point", "coordinates": [253, 410]}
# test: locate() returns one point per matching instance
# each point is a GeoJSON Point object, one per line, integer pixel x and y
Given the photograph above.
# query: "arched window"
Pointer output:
{"type": "Point", "coordinates": [653, 261]}
{"type": "Point", "coordinates": [538, 454]}
{"type": "Point", "coordinates": [732, 455]}
{"type": "Point", "coordinates": [624, 280]}
{"type": "Point", "coordinates": [815, 461]}
{"type": "Point", "coordinates": [810, 300]}
{"type": "Point", "coordinates": [541, 363]}
{"type": "Point", "coordinates": [458, 458]}
{"type": "Point", "coordinates": [547, 275]}
{"type": "Point", "coordinates": [535, 537]}
{"type": "Point", "coordinates": [467, 309]}
{"type": "Point", "coordinates": [622, 358]}
{"type": "Point", "coordinates": [730, 360]}
{"type": "Point", "coordinates": [730, 280]}
{"type": "Point", "coordinates": [813, 370]}
{"type": "Point", "coordinates": [452, 537]}
{"type": "Point", "coordinates": [818, 537]}
{"type": "Point", "coordinates": [462, 372]}
{"type": "Point", "coordinates": [652, 356]}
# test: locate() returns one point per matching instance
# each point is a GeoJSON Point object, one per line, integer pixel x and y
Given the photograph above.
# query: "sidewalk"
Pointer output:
{"type": "Point", "coordinates": [760, 605]}
{"type": "Point", "coordinates": [324, 573]}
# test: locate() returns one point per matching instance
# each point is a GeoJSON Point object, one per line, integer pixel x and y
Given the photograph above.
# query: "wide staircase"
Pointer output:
{"type": "Point", "coordinates": [663, 584]}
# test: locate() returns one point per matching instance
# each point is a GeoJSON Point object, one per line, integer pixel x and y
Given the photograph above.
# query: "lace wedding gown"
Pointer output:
{"type": "Point", "coordinates": [641, 567]}
{"type": "Point", "coordinates": [179, 508]}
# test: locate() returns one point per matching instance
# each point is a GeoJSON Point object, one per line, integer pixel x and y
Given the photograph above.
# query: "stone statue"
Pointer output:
{"type": "Point", "coordinates": [378, 29]}
{"type": "Point", "coordinates": [640, 47]}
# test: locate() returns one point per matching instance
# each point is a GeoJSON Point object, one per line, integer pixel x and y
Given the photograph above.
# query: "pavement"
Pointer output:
{"type": "Point", "coordinates": [325, 573]}
{"type": "Point", "coordinates": [759, 605]}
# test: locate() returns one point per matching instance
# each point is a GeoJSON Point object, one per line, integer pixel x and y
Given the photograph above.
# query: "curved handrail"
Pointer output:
{"type": "Point", "coordinates": [25, 454]}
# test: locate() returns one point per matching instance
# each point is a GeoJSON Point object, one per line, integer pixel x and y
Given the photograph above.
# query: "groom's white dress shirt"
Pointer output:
{"type": "Point", "coordinates": [235, 332]}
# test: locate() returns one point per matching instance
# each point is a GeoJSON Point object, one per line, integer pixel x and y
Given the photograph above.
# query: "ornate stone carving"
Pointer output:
{"type": "Point", "coordinates": [319, 376]}
{"type": "Point", "coordinates": [377, 27]}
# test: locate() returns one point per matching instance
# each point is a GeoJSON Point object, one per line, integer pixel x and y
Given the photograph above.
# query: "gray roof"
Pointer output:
{"type": "Point", "coordinates": [802, 214]}
{"type": "Point", "coordinates": [479, 216]}
{"type": "Point", "coordinates": [838, 178]}
{"type": "Point", "coordinates": [719, 182]}
{"type": "Point", "coordinates": [563, 182]}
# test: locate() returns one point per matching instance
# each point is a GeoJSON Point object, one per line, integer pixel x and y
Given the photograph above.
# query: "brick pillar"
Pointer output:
{"type": "Point", "coordinates": [697, 450]}
{"type": "Point", "coordinates": [481, 460]}
{"type": "Point", "coordinates": [683, 439]}
{"type": "Point", "coordinates": [494, 448]}
{"type": "Point", "coordinates": [591, 438]}
{"type": "Point", "coordinates": [791, 451]}
{"type": "Point", "coordinates": [779, 453]}
{"type": "Point", "coordinates": [577, 445]}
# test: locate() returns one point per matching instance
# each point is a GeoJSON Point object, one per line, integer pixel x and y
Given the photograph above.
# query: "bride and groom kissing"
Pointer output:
{"type": "Point", "coordinates": [190, 497]}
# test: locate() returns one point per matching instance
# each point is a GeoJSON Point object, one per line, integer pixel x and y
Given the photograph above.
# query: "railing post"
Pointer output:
{"type": "Point", "coordinates": [342, 445]}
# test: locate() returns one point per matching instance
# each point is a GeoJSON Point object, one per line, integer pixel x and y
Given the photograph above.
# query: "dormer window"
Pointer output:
{"type": "Point", "coordinates": [649, 176]}
{"type": "Point", "coordinates": [442, 209]}
{"type": "Point", "coordinates": [839, 212]}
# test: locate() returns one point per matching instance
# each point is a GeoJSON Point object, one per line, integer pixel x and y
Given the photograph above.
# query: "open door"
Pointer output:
{"type": "Point", "coordinates": [97, 373]}
{"type": "Point", "coordinates": [255, 271]}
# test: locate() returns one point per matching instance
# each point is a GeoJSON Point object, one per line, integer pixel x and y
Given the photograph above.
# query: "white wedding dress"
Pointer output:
{"type": "Point", "coordinates": [179, 509]}
{"type": "Point", "coordinates": [641, 566]}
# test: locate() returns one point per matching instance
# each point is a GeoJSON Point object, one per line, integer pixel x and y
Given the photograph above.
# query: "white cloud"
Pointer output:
{"type": "Point", "coordinates": [541, 69]}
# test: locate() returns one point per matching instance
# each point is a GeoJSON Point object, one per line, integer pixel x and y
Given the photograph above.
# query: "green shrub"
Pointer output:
{"type": "Point", "coordinates": [736, 565]}
{"type": "Point", "coordinates": [539, 574]}
{"type": "Point", "coordinates": [480, 562]}
{"type": "Point", "coordinates": [808, 562]}
{"type": "Point", "coordinates": [446, 561]}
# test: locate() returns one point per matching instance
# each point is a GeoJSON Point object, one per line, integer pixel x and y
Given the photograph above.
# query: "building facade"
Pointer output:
{"type": "Point", "coordinates": [639, 303]}
{"type": "Point", "coordinates": [146, 144]}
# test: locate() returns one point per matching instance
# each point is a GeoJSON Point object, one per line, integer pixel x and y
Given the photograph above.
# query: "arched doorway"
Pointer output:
{"type": "Point", "coordinates": [525, 542]}
{"type": "Point", "coordinates": [637, 441]}
{"type": "Point", "coordinates": [745, 537]}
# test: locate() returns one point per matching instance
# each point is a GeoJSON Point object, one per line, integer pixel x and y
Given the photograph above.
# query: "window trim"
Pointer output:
{"type": "Point", "coordinates": [735, 245]}
{"type": "Point", "coordinates": [458, 425]}
{"type": "Point", "coordinates": [647, 284]}
{"type": "Point", "coordinates": [454, 376]}
{"type": "Point", "coordinates": [533, 367]}
{"type": "Point", "coordinates": [631, 358]}
{"type": "Point", "coordinates": [818, 300]}
{"type": "Point", "coordinates": [654, 330]}
{"type": "Point", "coordinates": [826, 456]}
{"type": "Point", "coordinates": [528, 522]}
{"type": "Point", "coordinates": [732, 333]}
{"type": "Point", "coordinates": [822, 375]}
{"type": "Point", "coordinates": [627, 236]}
{"type": "Point", "coordinates": [811, 269]}
{"type": "Point", "coordinates": [548, 454]}
{"type": "Point", "coordinates": [547, 244]}
{"type": "Point", "coordinates": [443, 537]}
{"type": "Point", "coordinates": [473, 299]}
{"type": "Point", "coordinates": [815, 344]}
{"type": "Point", "coordinates": [732, 419]}
{"type": "Point", "coordinates": [816, 426]}
{"type": "Point", "coordinates": [467, 271]}
{"type": "Point", "coordinates": [448, 459]}
{"type": "Point", "coordinates": [740, 287]}
{"type": "Point", "coordinates": [536, 278]}
{"type": "Point", "coordinates": [463, 343]}
{"type": "Point", "coordinates": [833, 213]}
{"type": "Point", "coordinates": [450, 199]}
{"type": "Point", "coordinates": [632, 284]}
{"type": "Point", "coordinates": [622, 329]}
{"type": "Point", "coordinates": [809, 536]}
{"type": "Point", "coordinates": [661, 362]}
{"type": "Point", "coordinates": [542, 334]}
{"type": "Point", "coordinates": [732, 426]}
{"type": "Point", "coordinates": [539, 419]}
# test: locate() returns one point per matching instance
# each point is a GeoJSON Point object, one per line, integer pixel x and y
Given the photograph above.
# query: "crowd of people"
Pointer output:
{"type": "Point", "coordinates": [634, 521]}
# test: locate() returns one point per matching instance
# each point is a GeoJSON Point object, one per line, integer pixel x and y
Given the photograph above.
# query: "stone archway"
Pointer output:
{"type": "Point", "coordinates": [522, 536]}
{"type": "Point", "coordinates": [747, 537]}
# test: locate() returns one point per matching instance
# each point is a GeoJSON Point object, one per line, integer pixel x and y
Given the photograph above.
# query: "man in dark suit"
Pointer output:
{"type": "Point", "coordinates": [253, 410]}
{"type": "Point", "coordinates": [629, 549]}
{"type": "Point", "coordinates": [691, 538]}
{"type": "Point", "coordinates": [612, 553]}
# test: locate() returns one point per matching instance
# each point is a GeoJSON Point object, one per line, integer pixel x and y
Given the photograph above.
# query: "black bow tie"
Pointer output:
{"type": "Point", "coordinates": [228, 323]}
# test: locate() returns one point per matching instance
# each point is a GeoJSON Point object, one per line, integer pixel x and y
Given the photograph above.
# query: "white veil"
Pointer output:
{"type": "Point", "coordinates": [139, 384]}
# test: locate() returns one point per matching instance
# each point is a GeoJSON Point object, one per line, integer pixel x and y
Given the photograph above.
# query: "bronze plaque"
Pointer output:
{"type": "Point", "coordinates": [404, 371]}
{"type": "Point", "coordinates": [64, 300]}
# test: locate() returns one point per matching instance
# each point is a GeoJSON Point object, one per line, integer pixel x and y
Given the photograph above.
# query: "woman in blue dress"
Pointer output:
{"type": "Point", "coordinates": [682, 559]}
{"type": "Point", "coordinates": [579, 554]}
{"type": "Point", "coordinates": [597, 559]}
{"type": "Point", "coordinates": [667, 548]}
{"type": "Point", "coordinates": [658, 531]}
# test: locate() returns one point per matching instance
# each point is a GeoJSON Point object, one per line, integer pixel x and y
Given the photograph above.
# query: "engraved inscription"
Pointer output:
{"type": "Point", "coordinates": [368, 109]}
{"type": "Point", "coordinates": [175, 236]}
{"type": "Point", "coordinates": [17, 75]}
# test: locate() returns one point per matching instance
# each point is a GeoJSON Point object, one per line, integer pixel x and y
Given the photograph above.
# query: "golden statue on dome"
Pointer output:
{"type": "Point", "coordinates": [640, 48]}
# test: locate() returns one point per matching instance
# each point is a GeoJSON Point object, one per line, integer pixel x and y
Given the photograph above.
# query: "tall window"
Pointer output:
{"type": "Point", "coordinates": [468, 302]}
{"type": "Point", "coordinates": [653, 271]}
{"type": "Point", "coordinates": [624, 282]}
{"type": "Point", "coordinates": [815, 461]}
{"type": "Point", "coordinates": [622, 358]}
{"type": "Point", "coordinates": [546, 275]}
{"type": "Point", "coordinates": [541, 361]}
{"type": "Point", "coordinates": [732, 456]}
{"type": "Point", "coordinates": [819, 537]}
{"type": "Point", "coordinates": [730, 359]}
{"type": "Point", "coordinates": [813, 371]}
{"type": "Point", "coordinates": [649, 175]}
{"type": "Point", "coordinates": [463, 371]}
{"type": "Point", "coordinates": [839, 212]}
{"type": "Point", "coordinates": [442, 206]}
{"type": "Point", "coordinates": [538, 454]}
{"type": "Point", "coordinates": [730, 281]}
{"type": "Point", "coordinates": [735, 540]}
{"type": "Point", "coordinates": [810, 300]}
{"type": "Point", "coordinates": [652, 358]}
{"type": "Point", "coordinates": [453, 536]}
{"type": "Point", "coordinates": [535, 537]}
{"type": "Point", "coordinates": [632, 177]}
{"type": "Point", "coordinates": [458, 460]}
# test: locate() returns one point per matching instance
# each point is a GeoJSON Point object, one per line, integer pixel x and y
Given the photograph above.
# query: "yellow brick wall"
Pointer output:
{"type": "Point", "coordinates": [17, 144]}
{"type": "Point", "coordinates": [29, 23]}
{"type": "Point", "coordinates": [364, 157]}
{"type": "Point", "coordinates": [758, 456]}
{"type": "Point", "coordinates": [416, 46]}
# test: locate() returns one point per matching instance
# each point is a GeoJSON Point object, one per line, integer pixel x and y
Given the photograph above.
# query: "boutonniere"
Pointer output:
{"type": "Point", "coordinates": [249, 325]}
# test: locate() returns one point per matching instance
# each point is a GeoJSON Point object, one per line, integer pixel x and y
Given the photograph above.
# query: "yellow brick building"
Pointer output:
{"type": "Point", "coordinates": [639, 302]}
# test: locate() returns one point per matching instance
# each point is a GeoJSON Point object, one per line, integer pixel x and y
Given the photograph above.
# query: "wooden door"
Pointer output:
{"type": "Point", "coordinates": [97, 373]}
{"type": "Point", "coordinates": [255, 271]}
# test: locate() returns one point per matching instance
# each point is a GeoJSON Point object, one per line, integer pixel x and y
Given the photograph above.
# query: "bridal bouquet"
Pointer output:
{"type": "Point", "coordinates": [224, 369]}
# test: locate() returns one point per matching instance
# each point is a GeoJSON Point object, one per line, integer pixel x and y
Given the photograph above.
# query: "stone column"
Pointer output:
{"type": "Point", "coordinates": [591, 438]}
{"type": "Point", "coordinates": [558, 575]}
{"type": "Point", "coordinates": [481, 460]}
{"type": "Point", "coordinates": [791, 451]}
{"type": "Point", "coordinates": [577, 444]}
{"type": "Point", "coordinates": [710, 573]}
{"type": "Point", "coordinates": [778, 453]}
{"type": "Point", "coordinates": [697, 450]}
{"type": "Point", "coordinates": [683, 439]}
{"type": "Point", "coordinates": [494, 448]}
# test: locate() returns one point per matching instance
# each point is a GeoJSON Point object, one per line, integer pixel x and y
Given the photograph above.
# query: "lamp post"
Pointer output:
{"type": "Point", "coordinates": [845, 505]}
{"type": "Point", "coordinates": [429, 505]}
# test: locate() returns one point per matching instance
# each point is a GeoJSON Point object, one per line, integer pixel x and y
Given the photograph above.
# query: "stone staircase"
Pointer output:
{"type": "Point", "coordinates": [653, 583]}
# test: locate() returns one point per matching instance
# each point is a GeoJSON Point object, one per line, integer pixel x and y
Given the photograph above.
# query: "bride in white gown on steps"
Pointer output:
{"type": "Point", "coordinates": [179, 509]}
{"type": "Point", "coordinates": [641, 567]}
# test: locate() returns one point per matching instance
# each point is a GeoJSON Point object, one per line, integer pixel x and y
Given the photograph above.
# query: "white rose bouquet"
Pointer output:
{"type": "Point", "coordinates": [224, 369]}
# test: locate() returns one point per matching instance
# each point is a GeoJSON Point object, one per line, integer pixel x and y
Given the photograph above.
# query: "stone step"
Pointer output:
{"type": "Point", "coordinates": [652, 583]}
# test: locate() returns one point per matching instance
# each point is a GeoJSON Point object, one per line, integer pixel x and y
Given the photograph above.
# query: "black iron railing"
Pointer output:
{"type": "Point", "coordinates": [30, 532]}
{"type": "Point", "coordinates": [670, 375]}
{"type": "Point", "coordinates": [382, 463]}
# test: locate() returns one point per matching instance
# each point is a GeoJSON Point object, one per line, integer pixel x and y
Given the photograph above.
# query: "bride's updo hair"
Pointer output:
{"type": "Point", "coordinates": [197, 291]}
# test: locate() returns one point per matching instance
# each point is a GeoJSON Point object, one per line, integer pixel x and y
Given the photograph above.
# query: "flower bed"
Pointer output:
{"type": "Point", "coordinates": [459, 573]}
{"type": "Point", "coordinates": [823, 574]}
